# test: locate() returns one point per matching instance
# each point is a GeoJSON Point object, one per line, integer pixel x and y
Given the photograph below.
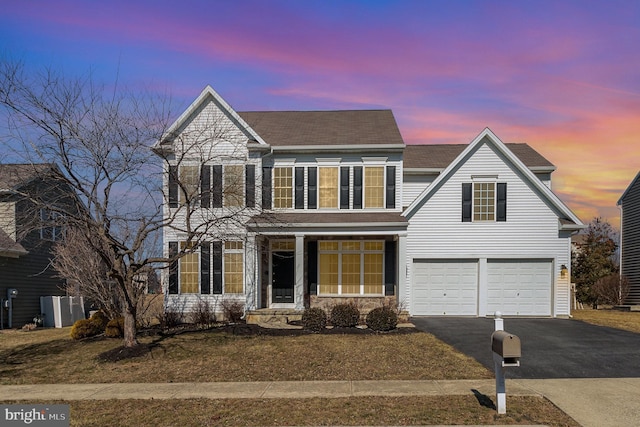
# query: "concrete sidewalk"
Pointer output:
{"type": "Point", "coordinates": [591, 402]}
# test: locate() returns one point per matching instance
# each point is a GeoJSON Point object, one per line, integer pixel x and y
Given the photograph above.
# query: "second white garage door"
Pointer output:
{"type": "Point", "coordinates": [445, 287]}
{"type": "Point", "coordinates": [519, 287]}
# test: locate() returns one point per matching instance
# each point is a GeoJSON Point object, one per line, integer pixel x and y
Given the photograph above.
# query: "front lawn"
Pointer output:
{"type": "Point", "coordinates": [49, 356]}
{"type": "Point", "coordinates": [626, 320]}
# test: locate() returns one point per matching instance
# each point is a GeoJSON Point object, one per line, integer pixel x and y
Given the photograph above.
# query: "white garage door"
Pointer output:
{"type": "Point", "coordinates": [519, 287]}
{"type": "Point", "coordinates": [445, 288]}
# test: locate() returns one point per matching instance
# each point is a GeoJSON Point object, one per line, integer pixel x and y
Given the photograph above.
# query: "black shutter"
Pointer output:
{"type": "Point", "coordinates": [312, 267]}
{"type": "Point", "coordinates": [217, 186]}
{"type": "Point", "coordinates": [312, 196]}
{"type": "Point", "coordinates": [205, 265]}
{"type": "Point", "coordinates": [173, 186]}
{"type": "Point", "coordinates": [217, 267]}
{"type": "Point", "coordinates": [389, 267]}
{"type": "Point", "coordinates": [173, 268]}
{"type": "Point", "coordinates": [205, 186]}
{"type": "Point", "coordinates": [266, 188]}
{"type": "Point", "coordinates": [250, 186]}
{"type": "Point", "coordinates": [344, 187]}
{"type": "Point", "coordinates": [467, 196]}
{"type": "Point", "coordinates": [299, 185]}
{"type": "Point", "coordinates": [502, 202]}
{"type": "Point", "coordinates": [357, 187]}
{"type": "Point", "coordinates": [391, 187]}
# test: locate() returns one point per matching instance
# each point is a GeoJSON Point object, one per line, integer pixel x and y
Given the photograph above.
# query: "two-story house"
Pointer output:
{"type": "Point", "coordinates": [28, 232]}
{"type": "Point", "coordinates": [629, 204]}
{"type": "Point", "coordinates": [319, 207]}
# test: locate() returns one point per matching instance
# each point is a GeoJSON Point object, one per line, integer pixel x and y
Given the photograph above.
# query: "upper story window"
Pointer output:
{"type": "Point", "coordinates": [484, 201]}
{"type": "Point", "coordinates": [328, 187]}
{"type": "Point", "coordinates": [233, 193]}
{"type": "Point", "coordinates": [52, 226]}
{"type": "Point", "coordinates": [283, 187]}
{"type": "Point", "coordinates": [374, 187]}
{"type": "Point", "coordinates": [190, 183]}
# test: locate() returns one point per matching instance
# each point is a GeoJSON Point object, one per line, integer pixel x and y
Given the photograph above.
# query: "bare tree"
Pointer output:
{"type": "Point", "coordinates": [101, 139]}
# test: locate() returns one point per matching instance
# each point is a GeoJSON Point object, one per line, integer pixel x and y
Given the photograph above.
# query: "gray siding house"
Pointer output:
{"type": "Point", "coordinates": [630, 238]}
{"type": "Point", "coordinates": [27, 234]}
{"type": "Point", "coordinates": [325, 207]}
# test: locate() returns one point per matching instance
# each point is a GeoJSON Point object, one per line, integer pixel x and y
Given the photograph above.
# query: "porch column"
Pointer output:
{"type": "Point", "coordinates": [298, 290]}
{"type": "Point", "coordinates": [403, 264]}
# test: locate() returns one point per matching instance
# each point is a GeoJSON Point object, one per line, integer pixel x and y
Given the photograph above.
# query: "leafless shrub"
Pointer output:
{"type": "Point", "coordinates": [233, 311]}
{"type": "Point", "coordinates": [203, 314]}
{"type": "Point", "coordinates": [612, 289]}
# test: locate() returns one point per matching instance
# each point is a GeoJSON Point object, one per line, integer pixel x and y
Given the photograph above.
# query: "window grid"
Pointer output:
{"type": "Point", "coordinates": [189, 271]}
{"type": "Point", "coordinates": [283, 187]}
{"type": "Point", "coordinates": [233, 185]}
{"type": "Point", "coordinates": [190, 183]}
{"type": "Point", "coordinates": [351, 267]}
{"type": "Point", "coordinates": [484, 201]}
{"type": "Point", "coordinates": [374, 187]}
{"type": "Point", "coordinates": [328, 187]}
{"type": "Point", "coordinates": [233, 267]}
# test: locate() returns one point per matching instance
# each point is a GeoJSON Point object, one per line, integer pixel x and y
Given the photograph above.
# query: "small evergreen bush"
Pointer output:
{"type": "Point", "coordinates": [314, 319]}
{"type": "Point", "coordinates": [382, 318]}
{"type": "Point", "coordinates": [100, 320]}
{"type": "Point", "coordinates": [85, 328]}
{"type": "Point", "coordinates": [115, 328]}
{"type": "Point", "coordinates": [345, 315]}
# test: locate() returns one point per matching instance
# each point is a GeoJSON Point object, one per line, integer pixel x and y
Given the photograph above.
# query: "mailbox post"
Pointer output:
{"type": "Point", "coordinates": [506, 353]}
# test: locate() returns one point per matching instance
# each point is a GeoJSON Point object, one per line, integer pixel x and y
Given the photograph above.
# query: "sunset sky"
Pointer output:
{"type": "Point", "coordinates": [562, 76]}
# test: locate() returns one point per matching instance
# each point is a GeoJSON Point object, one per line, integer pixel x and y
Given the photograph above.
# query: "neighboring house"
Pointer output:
{"type": "Point", "coordinates": [27, 234]}
{"type": "Point", "coordinates": [630, 239]}
{"type": "Point", "coordinates": [332, 206]}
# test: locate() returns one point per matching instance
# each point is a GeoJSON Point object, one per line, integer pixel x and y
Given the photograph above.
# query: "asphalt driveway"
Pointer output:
{"type": "Point", "coordinates": [551, 348]}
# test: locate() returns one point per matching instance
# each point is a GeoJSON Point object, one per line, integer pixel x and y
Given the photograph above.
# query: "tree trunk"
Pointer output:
{"type": "Point", "coordinates": [130, 329]}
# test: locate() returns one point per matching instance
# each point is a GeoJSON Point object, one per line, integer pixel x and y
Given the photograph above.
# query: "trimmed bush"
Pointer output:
{"type": "Point", "coordinates": [115, 328]}
{"type": "Point", "coordinates": [382, 318]}
{"type": "Point", "coordinates": [85, 328]}
{"type": "Point", "coordinates": [314, 319]}
{"type": "Point", "coordinates": [100, 320]}
{"type": "Point", "coordinates": [345, 315]}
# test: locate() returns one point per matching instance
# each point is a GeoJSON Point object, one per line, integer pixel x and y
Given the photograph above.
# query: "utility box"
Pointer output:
{"type": "Point", "coordinates": [61, 311]}
{"type": "Point", "coordinates": [507, 346]}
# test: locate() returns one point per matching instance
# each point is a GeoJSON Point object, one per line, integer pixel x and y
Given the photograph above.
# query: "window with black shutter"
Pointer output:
{"type": "Point", "coordinates": [312, 185]}
{"type": "Point", "coordinates": [344, 187]}
{"type": "Point", "coordinates": [216, 187]}
{"type": "Point", "coordinates": [205, 186]}
{"type": "Point", "coordinates": [205, 267]}
{"type": "Point", "coordinates": [467, 201]}
{"type": "Point", "coordinates": [173, 268]}
{"type": "Point", "coordinates": [391, 187]}
{"type": "Point", "coordinates": [250, 186]}
{"type": "Point", "coordinates": [173, 186]}
{"type": "Point", "coordinates": [299, 188]}
{"type": "Point", "coordinates": [266, 188]}
{"type": "Point", "coordinates": [357, 187]}
{"type": "Point", "coordinates": [501, 201]}
{"type": "Point", "coordinates": [217, 267]}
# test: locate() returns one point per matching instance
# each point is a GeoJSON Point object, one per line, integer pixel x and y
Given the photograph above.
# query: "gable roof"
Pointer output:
{"type": "Point", "coordinates": [629, 188]}
{"type": "Point", "coordinates": [207, 95]}
{"type": "Point", "coordinates": [9, 248]}
{"type": "Point", "coordinates": [437, 157]}
{"type": "Point", "coordinates": [322, 128]}
{"type": "Point", "coordinates": [571, 221]}
{"type": "Point", "coordinates": [14, 176]}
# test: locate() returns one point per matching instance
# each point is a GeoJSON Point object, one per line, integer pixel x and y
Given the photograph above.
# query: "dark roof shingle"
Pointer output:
{"type": "Point", "coordinates": [347, 127]}
{"type": "Point", "coordinates": [441, 155]}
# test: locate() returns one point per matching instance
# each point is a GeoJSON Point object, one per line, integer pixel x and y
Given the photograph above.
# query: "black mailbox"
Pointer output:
{"type": "Point", "coordinates": [505, 345]}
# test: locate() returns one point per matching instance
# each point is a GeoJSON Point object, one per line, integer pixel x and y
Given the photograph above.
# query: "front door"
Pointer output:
{"type": "Point", "coordinates": [282, 277]}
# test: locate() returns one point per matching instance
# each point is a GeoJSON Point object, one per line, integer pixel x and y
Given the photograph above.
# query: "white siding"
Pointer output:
{"type": "Point", "coordinates": [413, 186]}
{"type": "Point", "coordinates": [531, 229]}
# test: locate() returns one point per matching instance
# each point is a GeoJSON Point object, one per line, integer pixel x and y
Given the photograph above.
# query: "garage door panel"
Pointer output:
{"type": "Point", "coordinates": [451, 288]}
{"type": "Point", "coordinates": [519, 287]}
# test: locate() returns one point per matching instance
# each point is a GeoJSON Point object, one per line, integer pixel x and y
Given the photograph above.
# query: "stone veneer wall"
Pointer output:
{"type": "Point", "coordinates": [364, 304]}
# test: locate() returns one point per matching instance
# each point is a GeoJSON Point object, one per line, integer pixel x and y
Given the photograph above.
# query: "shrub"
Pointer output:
{"type": "Point", "coordinates": [345, 315]}
{"type": "Point", "coordinates": [611, 289]}
{"type": "Point", "coordinates": [314, 319]}
{"type": "Point", "coordinates": [382, 318]}
{"type": "Point", "coordinates": [169, 319]}
{"type": "Point", "coordinates": [100, 320]}
{"type": "Point", "coordinates": [203, 315]}
{"type": "Point", "coordinates": [84, 328]}
{"type": "Point", "coordinates": [233, 311]}
{"type": "Point", "coordinates": [115, 328]}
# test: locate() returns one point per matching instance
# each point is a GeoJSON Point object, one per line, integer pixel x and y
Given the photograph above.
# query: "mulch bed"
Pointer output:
{"type": "Point", "coordinates": [239, 329]}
